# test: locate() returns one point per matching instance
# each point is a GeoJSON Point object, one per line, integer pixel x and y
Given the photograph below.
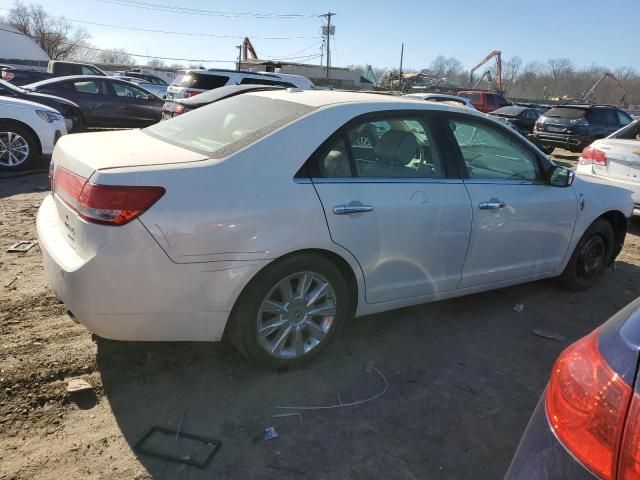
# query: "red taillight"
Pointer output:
{"type": "Point", "coordinates": [593, 155]}
{"type": "Point", "coordinates": [586, 406]}
{"type": "Point", "coordinates": [190, 94]}
{"type": "Point", "coordinates": [104, 204]}
{"type": "Point", "coordinates": [629, 467]}
{"type": "Point", "coordinates": [7, 76]}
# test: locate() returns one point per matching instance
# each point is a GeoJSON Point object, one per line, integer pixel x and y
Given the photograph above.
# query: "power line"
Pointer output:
{"type": "Point", "coordinates": [169, 32]}
{"type": "Point", "coordinates": [130, 54]}
{"type": "Point", "coordinates": [201, 11]}
{"type": "Point", "coordinates": [291, 55]}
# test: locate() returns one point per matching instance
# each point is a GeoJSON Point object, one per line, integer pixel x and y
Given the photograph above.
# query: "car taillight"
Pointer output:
{"type": "Point", "coordinates": [629, 466]}
{"type": "Point", "coordinates": [179, 110]}
{"type": "Point", "coordinates": [593, 155]}
{"type": "Point", "coordinates": [190, 94]}
{"type": "Point", "coordinates": [104, 204]}
{"type": "Point", "coordinates": [7, 76]}
{"type": "Point", "coordinates": [586, 405]}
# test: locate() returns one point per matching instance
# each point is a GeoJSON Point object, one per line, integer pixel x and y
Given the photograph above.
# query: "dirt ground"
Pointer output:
{"type": "Point", "coordinates": [463, 377]}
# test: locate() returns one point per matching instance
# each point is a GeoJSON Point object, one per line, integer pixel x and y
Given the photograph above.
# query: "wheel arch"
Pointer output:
{"type": "Point", "coordinates": [618, 222]}
{"type": "Point", "coordinates": [10, 121]}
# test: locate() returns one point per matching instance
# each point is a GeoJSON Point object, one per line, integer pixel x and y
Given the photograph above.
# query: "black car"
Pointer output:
{"type": "Point", "coordinates": [104, 102]}
{"type": "Point", "coordinates": [576, 126]}
{"type": "Point", "coordinates": [147, 77]}
{"type": "Point", "coordinates": [69, 110]}
{"type": "Point", "coordinates": [522, 118]}
{"type": "Point", "coordinates": [172, 108]}
{"type": "Point", "coordinates": [587, 422]}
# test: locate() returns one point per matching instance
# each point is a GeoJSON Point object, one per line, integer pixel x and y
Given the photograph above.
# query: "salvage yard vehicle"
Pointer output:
{"type": "Point", "coordinates": [28, 130]}
{"type": "Point", "coordinates": [56, 68]}
{"type": "Point", "coordinates": [485, 102]}
{"type": "Point", "coordinates": [587, 422]}
{"type": "Point", "coordinates": [615, 160]}
{"type": "Point", "coordinates": [576, 126]}
{"type": "Point", "coordinates": [255, 216]}
{"type": "Point", "coordinates": [522, 118]}
{"type": "Point", "coordinates": [441, 97]}
{"type": "Point", "coordinates": [105, 102]}
{"type": "Point", "coordinates": [69, 110]}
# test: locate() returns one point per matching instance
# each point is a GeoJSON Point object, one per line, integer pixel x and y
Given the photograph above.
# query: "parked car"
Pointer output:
{"type": "Point", "coordinates": [149, 82]}
{"type": "Point", "coordinates": [522, 118]}
{"type": "Point", "coordinates": [615, 160]}
{"type": "Point", "coordinates": [587, 422]}
{"type": "Point", "coordinates": [441, 97]}
{"type": "Point", "coordinates": [56, 68]}
{"type": "Point", "coordinates": [189, 83]}
{"type": "Point", "coordinates": [255, 216]}
{"type": "Point", "coordinates": [28, 130]}
{"type": "Point", "coordinates": [485, 101]}
{"type": "Point", "coordinates": [576, 126]}
{"type": "Point", "coordinates": [69, 110]}
{"type": "Point", "coordinates": [174, 108]}
{"type": "Point", "coordinates": [105, 102]}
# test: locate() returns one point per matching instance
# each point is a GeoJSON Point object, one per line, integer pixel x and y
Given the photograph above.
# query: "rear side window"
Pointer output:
{"type": "Point", "coordinates": [200, 81]}
{"type": "Point", "coordinates": [491, 100]}
{"type": "Point", "coordinates": [597, 116]}
{"type": "Point", "coordinates": [82, 86]}
{"type": "Point", "coordinates": [476, 98]}
{"type": "Point", "coordinates": [264, 81]}
{"type": "Point", "coordinates": [226, 126]}
{"type": "Point", "coordinates": [612, 118]}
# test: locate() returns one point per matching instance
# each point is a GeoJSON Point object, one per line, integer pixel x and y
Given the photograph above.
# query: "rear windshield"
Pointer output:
{"type": "Point", "coordinates": [566, 112]}
{"type": "Point", "coordinates": [198, 80]}
{"type": "Point", "coordinates": [510, 111]}
{"type": "Point", "coordinates": [226, 126]}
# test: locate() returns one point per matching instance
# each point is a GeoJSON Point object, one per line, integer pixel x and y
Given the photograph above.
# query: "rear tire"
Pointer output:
{"type": "Point", "coordinates": [290, 312]}
{"type": "Point", "coordinates": [590, 257]}
{"type": "Point", "coordinates": [19, 148]}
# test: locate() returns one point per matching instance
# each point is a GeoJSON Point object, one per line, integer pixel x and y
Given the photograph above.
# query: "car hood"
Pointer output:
{"type": "Point", "coordinates": [35, 96]}
{"type": "Point", "coordinates": [19, 102]}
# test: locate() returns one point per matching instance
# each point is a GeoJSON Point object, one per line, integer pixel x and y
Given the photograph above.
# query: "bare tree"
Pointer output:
{"type": "Point", "coordinates": [443, 67]}
{"type": "Point", "coordinates": [57, 37]}
{"type": "Point", "coordinates": [511, 70]}
{"type": "Point", "coordinates": [116, 56]}
{"type": "Point", "coordinates": [155, 63]}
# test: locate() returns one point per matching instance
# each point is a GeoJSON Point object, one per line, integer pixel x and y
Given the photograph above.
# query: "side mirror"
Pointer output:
{"type": "Point", "coordinates": [561, 176]}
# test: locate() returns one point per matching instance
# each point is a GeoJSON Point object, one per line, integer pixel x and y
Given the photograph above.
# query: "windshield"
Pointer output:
{"type": "Point", "coordinates": [225, 127]}
{"type": "Point", "coordinates": [510, 111]}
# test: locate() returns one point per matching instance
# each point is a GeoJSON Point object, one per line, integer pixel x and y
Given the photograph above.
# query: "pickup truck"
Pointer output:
{"type": "Point", "coordinates": [24, 76]}
{"type": "Point", "coordinates": [485, 101]}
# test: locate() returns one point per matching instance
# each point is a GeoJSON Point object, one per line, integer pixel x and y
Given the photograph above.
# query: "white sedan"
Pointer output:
{"type": "Point", "coordinates": [257, 215]}
{"type": "Point", "coordinates": [28, 130]}
{"type": "Point", "coordinates": [615, 160]}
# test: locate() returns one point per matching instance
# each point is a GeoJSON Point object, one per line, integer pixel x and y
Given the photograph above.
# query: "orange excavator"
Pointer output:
{"type": "Point", "coordinates": [589, 95]}
{"type": "Point", "coordinates": [247, 49]}
{"type": "Point", "coordinates": [497, 54]}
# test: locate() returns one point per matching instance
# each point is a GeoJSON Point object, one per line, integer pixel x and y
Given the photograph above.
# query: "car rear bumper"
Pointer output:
{"type": "Point", "coordinates": [630, 185]}
{"type": "Point", "coordinates": [130, 290]}
{"type": "Point", "coordinates": [540, 454]}
{"type": "Point", "coordinates": [569, 142]}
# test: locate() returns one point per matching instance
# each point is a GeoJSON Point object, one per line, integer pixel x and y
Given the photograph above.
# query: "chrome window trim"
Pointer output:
{"type": "Point", "coordinates": [384, 180]}
{"type": "Point", "coordinates": [497, 181]}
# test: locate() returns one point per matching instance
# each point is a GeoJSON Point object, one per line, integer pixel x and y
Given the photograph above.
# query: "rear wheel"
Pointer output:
{"type": "Point", "coordinates": [18, 147]}
{"type": "Point", "coordinates": [290, 312]}
{"type": "Point", "coordinates": [590, 258]}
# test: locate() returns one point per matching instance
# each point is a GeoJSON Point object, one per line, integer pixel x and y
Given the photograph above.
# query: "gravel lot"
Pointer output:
{"type": "Point", "coordinates": [463, 377]}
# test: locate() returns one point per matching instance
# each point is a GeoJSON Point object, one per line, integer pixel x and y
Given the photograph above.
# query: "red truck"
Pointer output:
{"type": "Point", "coordinates": [485, 101]}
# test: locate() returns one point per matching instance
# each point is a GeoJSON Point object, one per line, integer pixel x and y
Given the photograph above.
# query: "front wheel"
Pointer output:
{"type": "Point", "coordinates": [590, 258]}
{"type": "Point", "coordinates": [290, 312]}
{"type": "Point", "coordinates": [18, 147]}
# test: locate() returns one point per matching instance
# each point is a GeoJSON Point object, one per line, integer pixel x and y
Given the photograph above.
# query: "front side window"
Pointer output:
{"type": "Point", "coordinates": [128, 91]}
{"type": "Point", "coordinates": [623, 118]}
{"type": "Point", "coordinates": [492, 154]}
{"type": "Point", "coordinates": [385, 148]}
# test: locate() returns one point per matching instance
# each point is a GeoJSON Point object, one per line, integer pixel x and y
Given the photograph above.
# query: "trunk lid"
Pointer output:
{"type": "Point", "coordinates": [623, 159]}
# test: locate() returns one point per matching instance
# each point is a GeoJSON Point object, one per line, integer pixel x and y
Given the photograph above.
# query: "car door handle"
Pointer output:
{"type": "Point", "coordinates": [491, 205]}
{"type": "Point", "coordinates": [347, 209]}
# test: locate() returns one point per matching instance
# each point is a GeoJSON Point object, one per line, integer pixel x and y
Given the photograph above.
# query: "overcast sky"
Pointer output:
{"type": "Point", "coordinates": [371, 31]}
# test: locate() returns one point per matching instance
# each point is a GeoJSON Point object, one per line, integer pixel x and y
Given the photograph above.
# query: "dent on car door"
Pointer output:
{"type": "Point", "coordinates": [393, 205]}
{"type": "Point", "coordinates": [522, 226]}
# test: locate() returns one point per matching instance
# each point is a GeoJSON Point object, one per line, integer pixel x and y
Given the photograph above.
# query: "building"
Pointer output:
{"type": "Point", "coordinates": [338, 77]}
{"type": "Point", "coordinates": [16, 48]}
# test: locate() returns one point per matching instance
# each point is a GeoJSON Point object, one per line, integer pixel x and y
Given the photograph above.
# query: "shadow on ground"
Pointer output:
{"type": "Point", "coordinates": [464, 375]}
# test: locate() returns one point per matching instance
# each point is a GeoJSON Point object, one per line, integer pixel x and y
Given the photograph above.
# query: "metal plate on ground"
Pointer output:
{"type": "Point", "coordinates": [190, 449]}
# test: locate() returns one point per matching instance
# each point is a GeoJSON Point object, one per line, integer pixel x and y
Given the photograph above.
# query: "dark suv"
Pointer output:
{"type": "Point", "coordinates": [574, 127]}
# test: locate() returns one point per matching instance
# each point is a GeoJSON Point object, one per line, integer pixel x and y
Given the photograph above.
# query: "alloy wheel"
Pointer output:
{"type": "Point", "coordinates": [14, 149]}
{"type": "Point", "coordinates": [296, 315]}
{"type": "Point", "coordinates": [362, 141]}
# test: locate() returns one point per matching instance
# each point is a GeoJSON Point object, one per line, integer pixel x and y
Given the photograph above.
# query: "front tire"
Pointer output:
{"type": "Point", "coordinates": [590, 258]}
{"type": "Point", "coordinates": [290, 312]}
{"type": "Point", "coordinates": [18, 147]}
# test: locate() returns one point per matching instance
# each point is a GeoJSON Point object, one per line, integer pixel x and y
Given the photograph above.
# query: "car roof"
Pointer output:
{"type": "Point", "coordinates": [73, 77]}
{"type": "Point", "coordinates": [323, 98]}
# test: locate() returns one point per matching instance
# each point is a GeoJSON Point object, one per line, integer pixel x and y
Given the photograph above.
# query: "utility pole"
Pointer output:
{"type": "Point", "coordinates": [401, 58]}
{"type": "Point", "coordinates": [328, 34]}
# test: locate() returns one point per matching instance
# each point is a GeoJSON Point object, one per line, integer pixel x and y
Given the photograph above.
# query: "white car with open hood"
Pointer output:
{"type": "Point", "coordinates": [260, 216]}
